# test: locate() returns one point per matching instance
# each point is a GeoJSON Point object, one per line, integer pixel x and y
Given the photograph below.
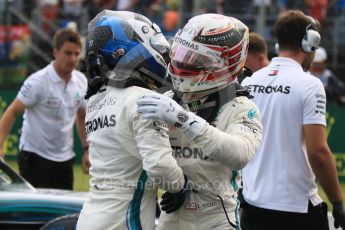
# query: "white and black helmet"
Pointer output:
{"type": "Point", "coordinates": [208, 54]}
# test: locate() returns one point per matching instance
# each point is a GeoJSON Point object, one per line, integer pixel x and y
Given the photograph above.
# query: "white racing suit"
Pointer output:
{"type": "Point", "coordinates": [127, 154]}
{"type": "Point", "coordinates": [211, 162]}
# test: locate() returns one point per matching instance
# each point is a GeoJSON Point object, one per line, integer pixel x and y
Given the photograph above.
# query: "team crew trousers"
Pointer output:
{"type": "Point", "coordinates": [43, 173]}
{"type": "Point", "coordinates": [254, 218]}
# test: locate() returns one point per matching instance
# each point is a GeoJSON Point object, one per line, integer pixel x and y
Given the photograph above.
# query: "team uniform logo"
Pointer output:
{"type": "Point", "coordinates": [182, 116]}
{"type": "Point", "coordinates": [251, 113]}
{"type": "Point", "coordinates": [273, 72]}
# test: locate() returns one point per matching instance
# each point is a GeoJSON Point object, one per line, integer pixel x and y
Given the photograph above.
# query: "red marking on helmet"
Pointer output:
{"type": "Point", "coordinates": [183, 72]}
{"type": "Point", "coordinates": [234, 59]}
{"type": "Point", "coordinates": [215, 75]}
{"type": "Point", "coordinates": [217, 48]}
{"type": "Point", "coordinates": [221, 30]}
{"type": "Point", "coordinates": [234, 50]}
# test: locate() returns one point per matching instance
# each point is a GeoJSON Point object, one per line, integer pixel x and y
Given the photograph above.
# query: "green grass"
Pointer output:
{"type": "Point", "coordinates": [81, 181]}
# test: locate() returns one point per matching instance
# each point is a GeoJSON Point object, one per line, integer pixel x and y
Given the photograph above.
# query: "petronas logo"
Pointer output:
{"type": "Point", "coordinates": [330, 120]}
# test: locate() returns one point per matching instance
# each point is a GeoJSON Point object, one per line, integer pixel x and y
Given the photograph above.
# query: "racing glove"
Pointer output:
{"type": "Point", "coordinates": [173, 201]}
{"type": "Point", "coordinates": [159, 107]}
{"type": "Point", "coordinates": [339, 214]}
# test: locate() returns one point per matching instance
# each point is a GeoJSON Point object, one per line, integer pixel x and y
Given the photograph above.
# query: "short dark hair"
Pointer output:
{"type": "Point", "coordinates": [257, 44]}
{"type": "Point", "coordinates": [291, 27]}
{"type": "Point", "coordinates": [66, 35]}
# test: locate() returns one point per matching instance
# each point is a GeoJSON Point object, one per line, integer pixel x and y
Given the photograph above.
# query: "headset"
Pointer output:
{"type": "Point", "coordinates": [276, 48]}
{"type": "Point", "coordinates": [311, 39]}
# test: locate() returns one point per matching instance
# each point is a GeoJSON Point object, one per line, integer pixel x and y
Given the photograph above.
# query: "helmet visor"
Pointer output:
{"type": "Point", "coordinates": [159, 43]}
{"type": "Point", "coordinates": [188, 62]}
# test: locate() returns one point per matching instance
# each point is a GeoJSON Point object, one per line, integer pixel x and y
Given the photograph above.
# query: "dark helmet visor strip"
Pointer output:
{"type": "Point", "coordinates": [94, 60]}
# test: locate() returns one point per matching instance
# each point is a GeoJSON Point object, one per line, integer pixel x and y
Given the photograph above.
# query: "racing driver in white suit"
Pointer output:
{"type": "Point", "coordinates": [215, 128]}
{"type": "Point", "coordinates": [130, 157]}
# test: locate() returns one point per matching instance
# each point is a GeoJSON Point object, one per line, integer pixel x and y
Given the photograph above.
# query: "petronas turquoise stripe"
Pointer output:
{"type": "Point", "coordinates": [233, 180]}
{"type": "Point", "coordinates": [237, 216]}
{"type": "Point", "coordinates": [134, 212]}
{"type": "Point", "coordinates": [235, 187]}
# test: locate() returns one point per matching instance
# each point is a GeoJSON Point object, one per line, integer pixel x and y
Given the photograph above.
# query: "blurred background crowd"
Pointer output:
{"type": "Point", "coordinates": [27, 26]}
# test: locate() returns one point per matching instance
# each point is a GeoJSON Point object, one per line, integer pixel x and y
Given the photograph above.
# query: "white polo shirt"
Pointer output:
{"type": "Point", "coordinates": [51, 108]}
{"type": "Point", "coordinates": [279, 177]}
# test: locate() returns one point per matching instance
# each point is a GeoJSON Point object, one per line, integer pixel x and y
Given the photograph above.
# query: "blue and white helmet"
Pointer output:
{"type": "Point", "coordinates": [126, 42]}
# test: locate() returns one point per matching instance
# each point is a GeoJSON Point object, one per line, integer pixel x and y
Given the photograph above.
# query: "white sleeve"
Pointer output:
{"type": "Point", "coordinates": [314, 103]}
{"type": "Point", "coordinates": [30, 92]}
{"type": "Point", "coordinates": [83, 87]}
{"type": "Point", "coordinates": [237, 143]}
{"type": "Point", "coordinates": [83, 103]}
{"type": "Point", "coordinates": [154, 148]}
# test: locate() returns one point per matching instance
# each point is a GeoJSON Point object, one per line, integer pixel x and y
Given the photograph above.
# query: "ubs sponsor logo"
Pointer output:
{"type": "Point", "coordinates": [100, 123]}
